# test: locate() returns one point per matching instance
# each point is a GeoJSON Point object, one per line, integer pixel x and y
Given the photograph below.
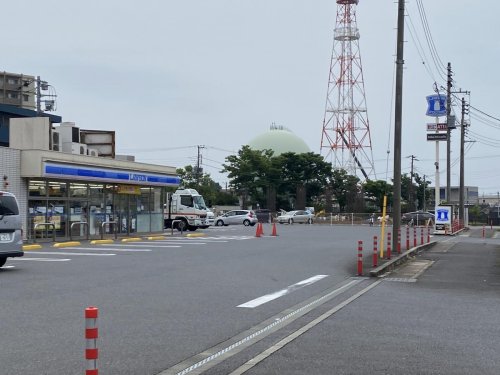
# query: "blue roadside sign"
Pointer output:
{"type": "Point", "coordinates": [436, 105]}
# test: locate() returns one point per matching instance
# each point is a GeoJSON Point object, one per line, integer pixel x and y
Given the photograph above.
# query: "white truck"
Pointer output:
{"type": "Point", "coordinates": [185, 210]}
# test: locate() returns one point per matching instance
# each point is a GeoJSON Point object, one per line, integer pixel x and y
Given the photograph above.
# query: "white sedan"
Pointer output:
{"type": "Point", "coordinates": [297, 216]}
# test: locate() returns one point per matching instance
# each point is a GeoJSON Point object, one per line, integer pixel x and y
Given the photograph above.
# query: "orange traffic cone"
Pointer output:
{"type": "Point", "coordinates": [274, 230]}
{"type": "Point", "coordinates": [257, 231]}
{"type": "Point", "coordinates": [261, 229]}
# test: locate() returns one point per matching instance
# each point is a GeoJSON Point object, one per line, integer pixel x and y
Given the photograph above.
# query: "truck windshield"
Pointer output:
{"type": "Point", "coordinates": [199, 202]}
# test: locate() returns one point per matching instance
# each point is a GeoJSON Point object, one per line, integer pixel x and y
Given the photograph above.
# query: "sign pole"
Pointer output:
{"type": "Point", "coordinates": [437, 187]}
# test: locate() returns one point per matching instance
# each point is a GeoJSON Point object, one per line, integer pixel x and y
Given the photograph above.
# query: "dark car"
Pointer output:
{"type": "Point", "coordinates": [417, 218]}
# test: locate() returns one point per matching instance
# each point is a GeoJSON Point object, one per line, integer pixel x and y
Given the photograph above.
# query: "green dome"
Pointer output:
{"type": "Point", "coordinates": [280, 140]}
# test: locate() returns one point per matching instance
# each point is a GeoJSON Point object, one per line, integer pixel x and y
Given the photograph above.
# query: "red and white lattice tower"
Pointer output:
{"type": "Point", "coordinates": [346, 140]}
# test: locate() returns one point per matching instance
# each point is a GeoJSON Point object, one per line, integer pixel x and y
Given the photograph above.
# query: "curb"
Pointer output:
{"type": "Point", "coordinates": [157, 238]}
{"type": "Point", "coordinates": [131, 239]}
{"type": "Point", "coordinates": [393, 263]}
{"type": "Point", "coordinates": [98, 242]}
{"type": "Point", "coordinates": [196, 235]}
{"type": "Point", "coordinates": [31, 247]}
{"type": "Point", "coordinates": [66, 244]}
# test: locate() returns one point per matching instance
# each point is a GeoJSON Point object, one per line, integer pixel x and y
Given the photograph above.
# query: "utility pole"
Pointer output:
{"type": "Point", "coordinates": [198, 163]}
{"type": "Point", "coordinates": [462, 142]}
{"type": "Point", "coordinates": [448, 131]}
{"type": "Point", "coordinates": [425, 188]}
{"type": "Point", "coordinates": [398, 115]}
{"type": "Point", "coordinates": [410, 198]}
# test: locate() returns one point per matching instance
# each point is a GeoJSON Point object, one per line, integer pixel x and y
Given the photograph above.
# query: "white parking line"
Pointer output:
{"type": "Point", "coordinates": [109, 249]}
{"type": "Point", "coordinates": [130, 245]}
{"type": "Point", "coordinates": [61, 253]}
{"type": "Point", "coordinates": [280, 293]}
{"type": "Point", "coordinates": [162, 242]}
{"type": "Point", "coordinates": [42, 259]}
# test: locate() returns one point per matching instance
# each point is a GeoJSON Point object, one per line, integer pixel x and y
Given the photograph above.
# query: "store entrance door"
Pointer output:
{"type": "Point", "coordinates": [121, 213]}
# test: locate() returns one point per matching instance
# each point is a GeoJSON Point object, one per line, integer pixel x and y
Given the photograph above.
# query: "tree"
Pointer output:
{"type": "Point", "coordinates": [344, 188]}
{"type": "Point", "coordinates": [206, 186]}
{"type": "Point", "coordinates": [376, 190]}
{"type": "Point", "coordinates": [249, 173]}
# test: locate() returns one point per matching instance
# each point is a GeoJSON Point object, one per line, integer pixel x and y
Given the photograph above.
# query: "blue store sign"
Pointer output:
{"type": "Point", "coordinates": [436, 105]}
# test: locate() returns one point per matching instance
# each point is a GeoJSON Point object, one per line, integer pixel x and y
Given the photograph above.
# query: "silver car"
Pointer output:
{"type": "Point", "coordinates": [245, 217]}
{"type": "Point", "coordinates": [11, 238]}
{"type": "Point", "coordinates": [298, 216]}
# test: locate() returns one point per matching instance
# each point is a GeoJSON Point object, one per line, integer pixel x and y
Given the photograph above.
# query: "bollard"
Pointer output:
{"type": "Point", "coordinates": [91, 335]}
{"type": "Point", "coordinates": [421, 236]}
{"type": "Point", "coordinates": [375, 254]}
{"type": "Point", "coordinates": [399, 241]}
{"type": "Point", "coordinates": [428, 234]}
{"type": "Point", "coordinates": [407, 238]}
{"type": "Point", "coordinates": [483, 231]}
{"type": "Point", "coordinates": [388, 245]}
{"type": "Point", "coordinates": [360, 258]}
{"type": "Point", "coordinates": [414, 237]}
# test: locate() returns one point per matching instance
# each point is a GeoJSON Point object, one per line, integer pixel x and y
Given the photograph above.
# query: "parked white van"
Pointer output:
{"type": "Point", "coordinates": [11, 237]}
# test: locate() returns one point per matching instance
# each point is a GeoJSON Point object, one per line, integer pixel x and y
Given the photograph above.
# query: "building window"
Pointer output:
{"type": "Point", "coordinates": [26, 98]}
{"type": "Point", "coordinates": [37, 188]}
{"type": "Point", "coordinates": [57, 189]}
{"type": "Point", "coordinates": [12, 95]}
{"type": "Point", "coordinates": [13, 81]}
{"type": "Point", "coordinates": [77, 190]}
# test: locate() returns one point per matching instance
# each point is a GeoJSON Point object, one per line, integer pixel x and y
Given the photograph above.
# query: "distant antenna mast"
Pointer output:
{"type": "Point", "coordinates": [346, 140]}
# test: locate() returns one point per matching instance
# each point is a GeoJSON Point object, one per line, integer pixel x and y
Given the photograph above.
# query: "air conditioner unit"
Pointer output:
{"type": "Point", "coordinates": [56, 140]}
{"type": "Point", "coordinates": [92, 152]}
{"type": "Point", "coordinates": [77, 148]}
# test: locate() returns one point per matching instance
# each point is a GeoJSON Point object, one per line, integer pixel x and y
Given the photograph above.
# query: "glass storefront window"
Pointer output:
{"type": "Point", "coordinates": [143, 210]}
{"type": "Point", "coordinates": [57, 215]}
{"type": "Point", "coordinates": [96, 191]}
{"type": "Point", "coordinates": [58, 189]}
{"type": "Point", "coordinates": [37, 188]}
{"type": "Point", "coordinates": [77, 190]}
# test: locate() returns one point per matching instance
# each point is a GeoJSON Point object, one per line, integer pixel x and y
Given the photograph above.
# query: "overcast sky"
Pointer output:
{"type": "Point", "coordinates": [169, 75]}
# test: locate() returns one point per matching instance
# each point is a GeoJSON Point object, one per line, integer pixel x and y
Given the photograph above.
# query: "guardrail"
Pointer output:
{"type": "Point", "coordinates": [104, 223]}
{"type": "Point", "coordinates": [45, 225]}
{"type": "Point", "coordinates": [78, 223]}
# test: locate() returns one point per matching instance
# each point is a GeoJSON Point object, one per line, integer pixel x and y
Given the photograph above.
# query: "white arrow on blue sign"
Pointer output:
{"type": "Point", "coordinates": [436, 105]}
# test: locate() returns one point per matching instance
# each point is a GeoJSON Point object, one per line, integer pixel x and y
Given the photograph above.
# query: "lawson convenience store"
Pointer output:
{"type": "Point", "coordinates": [65, 189]}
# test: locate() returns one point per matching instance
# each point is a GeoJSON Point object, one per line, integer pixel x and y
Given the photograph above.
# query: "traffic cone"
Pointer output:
{"type": "Point", "coordinates": [257, 231]}
{"type": "Point", "coordinates": [274, 230]}
{"type": "Point", "coordinates": [261, 229]}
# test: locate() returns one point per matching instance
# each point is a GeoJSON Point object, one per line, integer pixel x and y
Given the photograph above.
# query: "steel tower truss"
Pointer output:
{"type": "Point", "coordinates": [346, 140]}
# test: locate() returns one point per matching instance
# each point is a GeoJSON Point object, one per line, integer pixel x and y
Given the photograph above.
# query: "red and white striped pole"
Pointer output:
{"type": "Point", "coordinates": [91, 335]}
{"type": "Point", "coordinates": [399, 241]}
{"type": "Point", "coordinates": [388, 245]}
{"type": "Point", "coordinates": [407, 238]}
{"type": "Point", "coordinates": [375, 253]}
{"type": "Point", "coordinates": [414, 236]}
{"type": "Point", "coordinates": [421, 236]}
{"type": "Point", "coordinates": [360, 258]}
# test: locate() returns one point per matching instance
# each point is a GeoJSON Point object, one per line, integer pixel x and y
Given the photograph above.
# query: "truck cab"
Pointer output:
{"type": "Point", "coordinates": [185, 209]}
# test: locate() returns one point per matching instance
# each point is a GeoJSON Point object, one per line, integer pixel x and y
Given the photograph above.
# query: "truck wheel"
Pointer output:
{"type": "Point", "coordinates": [219, 223]}
{"type": "Point", "coordinates": [246, 222]}
{"type": "Point", "coordinates": [2, 261]}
